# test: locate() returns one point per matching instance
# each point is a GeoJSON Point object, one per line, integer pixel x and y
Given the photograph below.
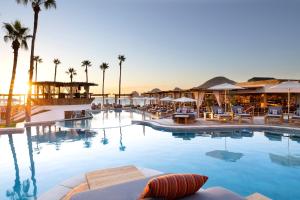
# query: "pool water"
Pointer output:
{"type": "Point", "coordinates": [242, 161]}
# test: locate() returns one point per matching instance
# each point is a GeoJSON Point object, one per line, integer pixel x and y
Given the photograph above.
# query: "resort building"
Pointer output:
{"type": "Point", "coordinates": [256, 92]}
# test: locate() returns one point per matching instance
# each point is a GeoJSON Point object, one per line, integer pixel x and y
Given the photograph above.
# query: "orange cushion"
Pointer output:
{"type": "Point", "coordinates": [173, 186]}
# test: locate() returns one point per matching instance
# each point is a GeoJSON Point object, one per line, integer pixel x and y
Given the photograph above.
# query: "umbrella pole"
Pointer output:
{"type": "Point", "coordinates": [225, 100]}
{"type": "Point", "coordinates": [289, 99]}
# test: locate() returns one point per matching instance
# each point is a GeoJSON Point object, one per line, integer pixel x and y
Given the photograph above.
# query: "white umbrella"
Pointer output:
{"type": "Point", "coordinates": [289, 86]}
{"type": "Point", "coordinates": [226, 87]}
{"type": "Point", "coordinates": [166, 99]}
{"type": "Point", "coordinates": [184, 100]}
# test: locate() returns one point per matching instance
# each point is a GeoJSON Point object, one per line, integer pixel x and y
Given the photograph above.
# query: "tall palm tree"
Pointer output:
{"type": "Point", "coordinates": [72, 72]}
{"type": "Point", "coordinates": [86, 64]}
{"type": "Point", "coordinates": [121, 60]}
{"type": "Point", "coordinates": [103, 67]}
{"type": "Point", "coordinates": [37, 59]}
{"type": "Point", "coordinates": [56, 62]}
{"type": "Point", "coordinates": [18, 35]}
{"type": "Point", "coordinates": [36, 6]}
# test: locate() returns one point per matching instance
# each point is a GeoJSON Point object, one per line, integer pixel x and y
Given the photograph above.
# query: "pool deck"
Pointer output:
{"type": "Point", "coordinates": [214, 125]}
{"type": "Point", "coordinates": [56, 113]}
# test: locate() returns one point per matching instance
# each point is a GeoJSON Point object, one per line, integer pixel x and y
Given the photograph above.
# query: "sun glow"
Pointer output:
{"type": "Point", "coordinates": [21, 85]}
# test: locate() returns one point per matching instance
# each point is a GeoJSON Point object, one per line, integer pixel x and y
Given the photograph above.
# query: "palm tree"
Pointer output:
{"type": "Point", "coordinates": [121, 60]}
{"type": "Point", "coordinates": [103, 67]}
{"type": "Point", "coordinates": [18, 35]}
{"type": "Point", "coordinates": [72, 72]}
{"type": "Point", "coordinates": [86, 64]}
{"type": "Point", "coordinates": [36, 6]}
{"type": "Point", "coordinates": [56, 62]}
{"type": "Point", "coordinates": [37, 59]}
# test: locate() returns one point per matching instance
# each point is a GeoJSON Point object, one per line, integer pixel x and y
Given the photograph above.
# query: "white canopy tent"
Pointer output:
{"type": "Point", "coordinates": [184, 100]}
{"type": "Point", "coordinates": [167, 99]}
{"type": "Point", "coordinates": [226, 87]}
{"type": "Point", "coordinates": [289, 87]}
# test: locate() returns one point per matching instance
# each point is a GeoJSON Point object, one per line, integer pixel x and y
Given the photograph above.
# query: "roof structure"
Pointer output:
{"type": "Point", "coordinates": [63, 84]}
{"type": "Point", "coordinates": [215, 81]}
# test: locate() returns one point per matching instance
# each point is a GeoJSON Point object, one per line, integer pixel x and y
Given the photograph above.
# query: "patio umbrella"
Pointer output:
{"type": "Point", "coordinates": [226, 87]}
{"type": "Point", "coordinates": [167, 99]}
{"type": "Point", "coordinates": [288, 86]}
{"type": "Point", "coordinates": [151, 99]}
{"type": "Point", "coordinates": [184, 100]}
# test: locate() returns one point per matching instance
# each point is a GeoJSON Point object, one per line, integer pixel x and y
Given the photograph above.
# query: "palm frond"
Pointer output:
{"type": "Point", "coordinates": [6, 38]}
{"type": "Point", "coordinates": [104, 66]}
{"type": "Point", "coordinates": [121, 58]}
{"type": "Point", "coordinates": [24, 44]}
{"type": "Point", "coordinates": [86, 63]}
{"type": "Point", "coordinates": [49, 4]}
{"type": "Point", "coordinates": [24, 2]}
{"type": "Point", "coordinates": [15, 31]}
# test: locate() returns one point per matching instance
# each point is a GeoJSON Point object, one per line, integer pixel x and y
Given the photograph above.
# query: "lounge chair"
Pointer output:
{"type": "Point", "coordinates": [274, 112]}
{"type": "Point", "coordinates": [240, 113]}
{"type": "Point", "coordinates": [132, 190]}
{"type": "Point", "coordinates": [296, 116]}
{"type": "Point", "coordinates": [219, 114]}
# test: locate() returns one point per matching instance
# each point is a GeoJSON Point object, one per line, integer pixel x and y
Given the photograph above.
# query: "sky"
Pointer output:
{"type": "Point", "coordinates": [167, 43]}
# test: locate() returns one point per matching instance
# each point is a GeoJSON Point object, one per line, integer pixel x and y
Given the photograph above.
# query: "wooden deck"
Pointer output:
{"type": "Point", "coordinates": [105, 178]}
{"type": "Point", "coordinates": [108, 177]}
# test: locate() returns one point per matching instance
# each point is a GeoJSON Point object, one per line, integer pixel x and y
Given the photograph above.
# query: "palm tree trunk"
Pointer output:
{"type": "Point", "coordinates": [87, 80]}
{"type": "Point", "coordinates": [86, 74]}
{"type": "Point", "coordinates": [120, 83]}
{"type": "Point", "coordinates": [71, 77]}
{"type": "Point", "coordinates": [55, 73]}
{"type": "Point", "coordinates": [36, 72]}
{"type": "Point", "coordinates": [103, 88]}
{"type": "Point", "coordinates": [11, 88]}
{"type": "Point", "coordinates": [28, 103]}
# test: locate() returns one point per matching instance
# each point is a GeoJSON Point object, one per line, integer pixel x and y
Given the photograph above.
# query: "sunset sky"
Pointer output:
{"type": "Point", "coordinates": [167, 43]}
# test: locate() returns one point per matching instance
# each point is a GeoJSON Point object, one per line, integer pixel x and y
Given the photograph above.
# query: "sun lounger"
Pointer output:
{"type": "Point", "coordinates": [274, 112]}
{"type": "Point", "coordinates": [240, 113]}
{"type": "Point", "coordinates": [132, 190]}
{"type": "Point", "coordinates": [219, 114]}
{"type": "Point", "coordinates": [296, 116]}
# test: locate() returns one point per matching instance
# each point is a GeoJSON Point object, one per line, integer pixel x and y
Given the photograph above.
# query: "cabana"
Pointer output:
{"type": "Point", "coordinates": [62, 93]}
{"type": "Point", "coordinates": [188, 115]}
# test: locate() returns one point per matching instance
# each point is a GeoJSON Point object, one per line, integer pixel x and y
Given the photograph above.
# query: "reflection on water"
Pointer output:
{"type": "Point", "coordinates": [122, 147]}
{"type": "Point", "coordinates": [184, 136]}
{"type": "Point", "coordinates": [225, 155]}
{"type": "Point", "coordinates": [243, 155]}
{"type": "Point", "coordinates": [287, 160]}
{"type": "Point", "coordinates": [272, 136]}
{"type": "Point", "coordinates": [32, 166]}
{"type": "Point", "coordinates": [104, 140]}
{"type": "Point", "coordinates": [21, 191]}
{"type": "Point", "coordinates": [104, 119]}
{"type": "Point", "coordinates": [57, 138]}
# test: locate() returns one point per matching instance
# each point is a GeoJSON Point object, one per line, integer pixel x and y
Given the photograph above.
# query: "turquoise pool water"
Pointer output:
{"type": "Point", "coordinates": [242, 161]}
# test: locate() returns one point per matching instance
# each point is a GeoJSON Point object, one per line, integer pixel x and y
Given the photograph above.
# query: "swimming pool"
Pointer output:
{"type": "Point", "coordinates": [242, 161]}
